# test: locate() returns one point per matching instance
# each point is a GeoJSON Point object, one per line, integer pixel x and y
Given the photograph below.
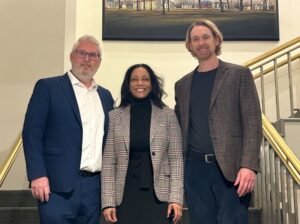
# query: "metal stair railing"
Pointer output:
{"type": "Point", "coordinates": [278, 183]}
{"type": "Point", "coordinates": [10, 159]}
{"type": "Point", "coordinates": [270, 63]}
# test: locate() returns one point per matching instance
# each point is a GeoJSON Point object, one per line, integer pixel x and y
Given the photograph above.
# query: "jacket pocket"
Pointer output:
{"type": "Point", "coordinates": [166, 169]}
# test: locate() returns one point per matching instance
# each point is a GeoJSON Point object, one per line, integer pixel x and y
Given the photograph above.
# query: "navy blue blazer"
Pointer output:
{"type": "Point", "coordinates": [52, 132]}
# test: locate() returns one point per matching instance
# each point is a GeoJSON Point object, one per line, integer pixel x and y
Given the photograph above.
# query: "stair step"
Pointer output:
{"type": "Point", "coordinates": [17, 215]}
{"type": "Point", "coordinates": [254, 216]}
{"type": "Point", "coordinates": [17, 198]}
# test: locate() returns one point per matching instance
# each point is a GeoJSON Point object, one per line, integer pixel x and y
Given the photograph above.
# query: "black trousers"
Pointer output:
{"type": "Point", "coordinates": [211, 199]}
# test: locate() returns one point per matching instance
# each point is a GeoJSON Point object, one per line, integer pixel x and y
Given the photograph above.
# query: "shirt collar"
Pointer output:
{"type": "Point", "coordinates": [75, 82]}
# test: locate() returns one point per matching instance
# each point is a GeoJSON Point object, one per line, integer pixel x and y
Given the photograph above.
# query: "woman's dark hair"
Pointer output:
{"type": "Point", "coordinates": [156, 93]}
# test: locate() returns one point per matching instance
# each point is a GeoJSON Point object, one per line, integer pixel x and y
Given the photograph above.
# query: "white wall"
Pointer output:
{"type": "Point", "coordinates": [36, 37]}
{"type": "Point", "coordinates": [32, 46]}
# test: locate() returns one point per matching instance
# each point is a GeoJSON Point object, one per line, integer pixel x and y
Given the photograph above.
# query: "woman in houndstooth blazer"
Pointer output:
{"type": "Point", "coordinates": [142, 170]}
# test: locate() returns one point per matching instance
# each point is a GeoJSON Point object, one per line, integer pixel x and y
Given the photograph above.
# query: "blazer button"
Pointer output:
{"type": "Point", "coordinates": [153, 153]}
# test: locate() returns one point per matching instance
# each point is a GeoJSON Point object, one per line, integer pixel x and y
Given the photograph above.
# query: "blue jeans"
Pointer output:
{"type": "Point", "coordinates": [211, 199]}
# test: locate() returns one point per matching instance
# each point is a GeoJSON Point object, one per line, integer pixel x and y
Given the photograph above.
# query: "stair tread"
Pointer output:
{"type": "Point", "coordinates": [18, 208]}
{"type": "Point", "coordinates": [17, 198]}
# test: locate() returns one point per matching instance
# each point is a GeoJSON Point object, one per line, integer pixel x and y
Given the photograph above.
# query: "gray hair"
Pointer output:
{"type": "Point", "coordinates": [88, 38]}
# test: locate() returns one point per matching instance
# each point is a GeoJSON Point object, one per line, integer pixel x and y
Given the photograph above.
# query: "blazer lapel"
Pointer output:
{"type": "Point", "coordinates": [185, 95]}
{"type": "Point", "coordinates": [71, 98]}
{"type": "Point", "coordinates": [221, 75]}
{"type": "Point", "coordinates": [156, 115]}
{"type": "Point", "coordinates": [125, 124]}
{"type": "Point", "coordinates": [106, 108]}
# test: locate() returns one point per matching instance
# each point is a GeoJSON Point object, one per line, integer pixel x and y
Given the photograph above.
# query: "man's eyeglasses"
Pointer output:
{"type": "Point", "coordinates": [82, 54]}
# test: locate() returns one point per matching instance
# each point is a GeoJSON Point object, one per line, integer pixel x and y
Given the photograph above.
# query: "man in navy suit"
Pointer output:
{"type": "Point", "coordinates": [63, 136]}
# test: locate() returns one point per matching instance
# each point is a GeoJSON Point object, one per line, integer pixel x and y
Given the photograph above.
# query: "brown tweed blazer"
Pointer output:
{"type": "Point", "coordinates": [166, 156]}
{"type": "Point", "coordinates": [234, 118]}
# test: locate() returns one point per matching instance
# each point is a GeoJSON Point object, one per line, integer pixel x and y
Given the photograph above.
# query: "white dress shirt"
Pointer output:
{"type": "Point", "coordinates": [92, 119]}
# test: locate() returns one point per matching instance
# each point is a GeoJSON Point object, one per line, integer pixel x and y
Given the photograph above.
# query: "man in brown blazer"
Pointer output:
{"type": "Point", "coordinates": [219, 113]}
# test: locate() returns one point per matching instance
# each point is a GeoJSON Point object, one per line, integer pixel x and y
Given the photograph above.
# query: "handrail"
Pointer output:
{"type": "Point", "coordinates": [282, 149]}
{"type": "Point", "coordinates": [271, 69]}
{"type": "Point", "coordinates": [11, 157]}
{"type": "Point", "coordinates": [272, 52]}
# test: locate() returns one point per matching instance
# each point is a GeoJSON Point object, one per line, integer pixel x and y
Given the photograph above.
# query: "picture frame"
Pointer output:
{"type": "Point", "coordinates": [169, 19]}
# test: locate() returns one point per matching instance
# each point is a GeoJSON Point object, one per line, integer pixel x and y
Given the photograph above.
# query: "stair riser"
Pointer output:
{"type": "Point", "coordinates": [17, 216]}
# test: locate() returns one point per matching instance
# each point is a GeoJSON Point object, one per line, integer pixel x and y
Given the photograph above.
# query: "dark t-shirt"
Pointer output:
{"type": "Point", "coordinates": [199, 133]}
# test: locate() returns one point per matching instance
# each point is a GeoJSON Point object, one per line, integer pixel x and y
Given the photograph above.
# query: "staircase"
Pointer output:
{"type": "Point", "coordinates": [19, 207]}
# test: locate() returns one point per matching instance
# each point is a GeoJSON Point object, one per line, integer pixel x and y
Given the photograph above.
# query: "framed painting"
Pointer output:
{"type": "Point", "coordinates": [169, 19]}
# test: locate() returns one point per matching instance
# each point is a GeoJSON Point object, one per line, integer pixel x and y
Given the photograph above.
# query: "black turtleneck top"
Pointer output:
{"type": "Point", "coordinates": [140, 120]}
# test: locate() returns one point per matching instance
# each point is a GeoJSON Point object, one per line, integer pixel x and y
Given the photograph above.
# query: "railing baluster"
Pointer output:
{"type": "Point", "coordinates": [262, 88]}
{"type": "Point", "coordinates": [272, 185]}
{"type": "Point", "coordinates": [283, 193]}
{"type": "Point", "coordinates": [276, 89]}
{"type": "Point", "coordinates": [278, 189]}
{"type": "Point", "coordinates": [268, 181]}
{"type": "Point", "coordinates": [290, 200]}
{"type": "Point", "coordinates": [290, 84]}
{"type": "Point", "coordinates": [259, 194]}
{"type": "Point", "coordinates": [296, 190]}
{"type": "Point", "coordinates": [264, 148]}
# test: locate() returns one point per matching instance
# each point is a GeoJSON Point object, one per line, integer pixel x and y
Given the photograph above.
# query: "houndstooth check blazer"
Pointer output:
{"type": "Point", "coordinates": [165, 151]}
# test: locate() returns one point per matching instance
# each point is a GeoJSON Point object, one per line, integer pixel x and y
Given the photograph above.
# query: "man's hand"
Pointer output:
{"type": "Point", "coordinates": [245, 180]}
{"type": "Point", "coordinates": [40, 188]}
{"type": "Point", "coordinates": [110, 215]}
{"type": "Point", "coordinates": [177, 208]}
